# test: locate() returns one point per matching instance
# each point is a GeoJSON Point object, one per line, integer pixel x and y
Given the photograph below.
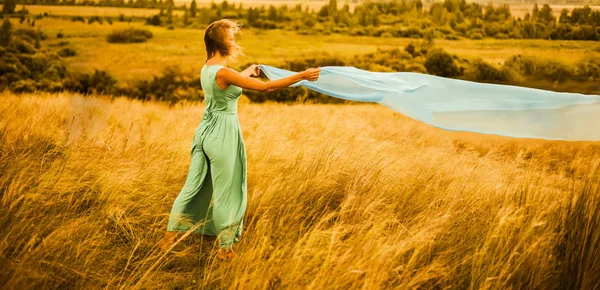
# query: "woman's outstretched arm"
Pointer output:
{"type": "Point", "coordinates": [228, 76]}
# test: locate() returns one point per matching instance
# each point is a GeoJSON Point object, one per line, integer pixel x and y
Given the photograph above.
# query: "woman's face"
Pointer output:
{"type": "Point", "coordinates": [230, 36]}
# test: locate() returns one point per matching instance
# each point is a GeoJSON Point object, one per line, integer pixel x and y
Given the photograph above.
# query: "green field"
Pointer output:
{"type": "Point", "coordinates": [185, 47]}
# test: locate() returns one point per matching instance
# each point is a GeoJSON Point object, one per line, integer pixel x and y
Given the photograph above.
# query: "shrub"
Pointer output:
{"type": "Point", "coordinates": [154, 20]}
{"type": "Point", "coordinates": [441, 63]}
{"type": "Point", "coordinates": [483, 71]}
{"type": "Point", "coordinates": [129, 35]}
{"type": "Point", "coordinates": [48, 85]}
{"type": "Point", "coordinates": [265, 24]}
{"type": "Point", "coordinates": [358, 31]}
{"type": "Point", "coordinates": [95, 19]}
{"type": "Point", "coordinates": [60, 35]}
{"type": "Point", "coordinates": [22, 47]}
{"type": "Point", "coordinates": [413, 32]}
{"type": "Point", "coordinates": [67, 52]}
{"type": "Point", "coordinates": [97, 83]}
{"type": "Point", "coordinates": [531, 66]}
{"type": "Point", "coordinates": [78, 19]}
{"type": "Point", "coordinates": [23, 86]}
{"type": "Point", "coordinates": [475, 34]}
{"type": "Point", "coordinates": [30, 35]}
{"type": "Point", "coordinates": [410, 48]}
{"type": "Point", "coordinates": [60, 43]}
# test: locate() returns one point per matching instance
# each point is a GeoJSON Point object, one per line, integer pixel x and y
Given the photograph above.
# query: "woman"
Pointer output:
{"type": "Point", "coordinates": [213, 200]}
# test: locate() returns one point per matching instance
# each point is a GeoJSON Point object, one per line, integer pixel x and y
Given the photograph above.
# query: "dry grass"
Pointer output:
{"type": "Point", "coordinates": [340, 197]}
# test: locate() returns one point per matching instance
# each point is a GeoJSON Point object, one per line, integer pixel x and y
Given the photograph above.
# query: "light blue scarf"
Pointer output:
{"type": "Point", "coordinates": [459, 105]}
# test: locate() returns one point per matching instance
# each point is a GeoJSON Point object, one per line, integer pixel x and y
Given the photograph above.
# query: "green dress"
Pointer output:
{"type": "Point", "coordinates": [213, 199]}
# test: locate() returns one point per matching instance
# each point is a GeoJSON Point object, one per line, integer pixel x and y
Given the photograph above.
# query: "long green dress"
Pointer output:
{"type": "Point", "coordinates": [213, 199]}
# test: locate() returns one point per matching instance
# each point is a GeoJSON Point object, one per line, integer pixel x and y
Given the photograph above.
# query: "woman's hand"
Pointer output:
{"type": "Point", "coordinates": [252, 71]}
{"type": "Point", "coordinates": [312, 74]}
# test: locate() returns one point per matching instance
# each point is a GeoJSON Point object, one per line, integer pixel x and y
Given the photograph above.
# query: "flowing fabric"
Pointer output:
{"type": "Point", "coordinates": [459, 105]}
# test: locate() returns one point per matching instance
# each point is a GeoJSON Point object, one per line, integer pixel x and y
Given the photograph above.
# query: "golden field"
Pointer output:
{"type": "Point", "coordinates": [185, 47]}
{"type": "Point", "coordinates": [340, 197]}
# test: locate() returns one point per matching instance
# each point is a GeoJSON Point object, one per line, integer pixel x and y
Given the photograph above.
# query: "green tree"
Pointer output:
{"type": "Point", "coordinates": [332, 7]}
{"type": "Point", "coordinates": [534, 13]}
{"type": "Point", "coordinates": [193, 9]}
{"type": "Point", "coordinates": [6, 32]}
{"type": "Point", "coordinates": [185, 15]}
{"type": "Point", "coordinates": [252, 16]}
{"type": "Point", "coordinates": [545, 14]}
{"type": "Point", "coordinates": [441, 63]}
{"type": "Point", "coordinates": [272, 13]}
{"type": "Point", "coordinates": [9, 7]}
{"type": "Point", "coordinates": [564, 16]}
{"type": "Point", "coordinates": [170, 5]}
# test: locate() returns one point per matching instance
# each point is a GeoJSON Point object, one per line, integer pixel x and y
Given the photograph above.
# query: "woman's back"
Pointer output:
{"type": "Point", "coordinates": [217, 99]}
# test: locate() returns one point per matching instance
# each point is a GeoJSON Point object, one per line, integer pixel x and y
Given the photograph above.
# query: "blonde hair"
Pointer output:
{"type": "Point", "coordinates": [215, 40]}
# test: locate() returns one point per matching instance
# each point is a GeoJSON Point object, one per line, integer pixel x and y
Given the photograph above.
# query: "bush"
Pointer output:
{"type": "Point", "coordinates": [60, 35]}
{"type": "Point", "coordinates": [78, 19]}
{"type": "Point", "coordinates": [95, 19]}
{"type": "Point", "coordinates": [475, 34]}
{"type": "Point", "coordinates": [130, 35]}
{"type": "Point", "coordinates": [410, 48]}
{"type": "Point", "coordinates": [48, 85]}
{"type": "Point", "coordinates": [441, 63]}
{"type": "Point", "coordinates": [265, 24]}
{"type": "Point", "coordinates": [589, 69]}
{"type": "Point", "coordinates": [413, 32]}
{"type": "Point", "coordinates": [30, 35]}
{"type": "Point", "coordinates": [550, 70]}
{"type": "Point", "coordinates": [23, 86]}
{"type": "Point", "coordinates": [154, 20]}
{"type": "Point", "coordinates": [60, 43]}
{"type": "Point", "coordinates": [358, 31]}
{"type": "Point", "coordinates": [67, 52]}
{"type": "Point", "coordinates": [482, 71]}
{"type": "Point", "coordinates": [100, 82]}
{"type": "Point", "coordinates": [22, 47]}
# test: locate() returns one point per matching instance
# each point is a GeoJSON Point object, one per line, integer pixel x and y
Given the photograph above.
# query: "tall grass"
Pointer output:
{"type": "Point", "coordinates": [340, 197]}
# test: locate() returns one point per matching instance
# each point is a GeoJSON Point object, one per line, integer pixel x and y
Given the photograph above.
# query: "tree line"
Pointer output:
{"type": "Point", "coordinates": [451, 19]}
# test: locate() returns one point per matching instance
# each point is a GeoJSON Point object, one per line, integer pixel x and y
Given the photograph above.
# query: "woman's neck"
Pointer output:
{"type": "Point", "coordinates": [216, 59]}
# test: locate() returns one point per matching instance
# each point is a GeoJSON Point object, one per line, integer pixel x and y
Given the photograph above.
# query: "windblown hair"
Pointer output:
{"type": "Point", "coordinates": [215, 40]}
